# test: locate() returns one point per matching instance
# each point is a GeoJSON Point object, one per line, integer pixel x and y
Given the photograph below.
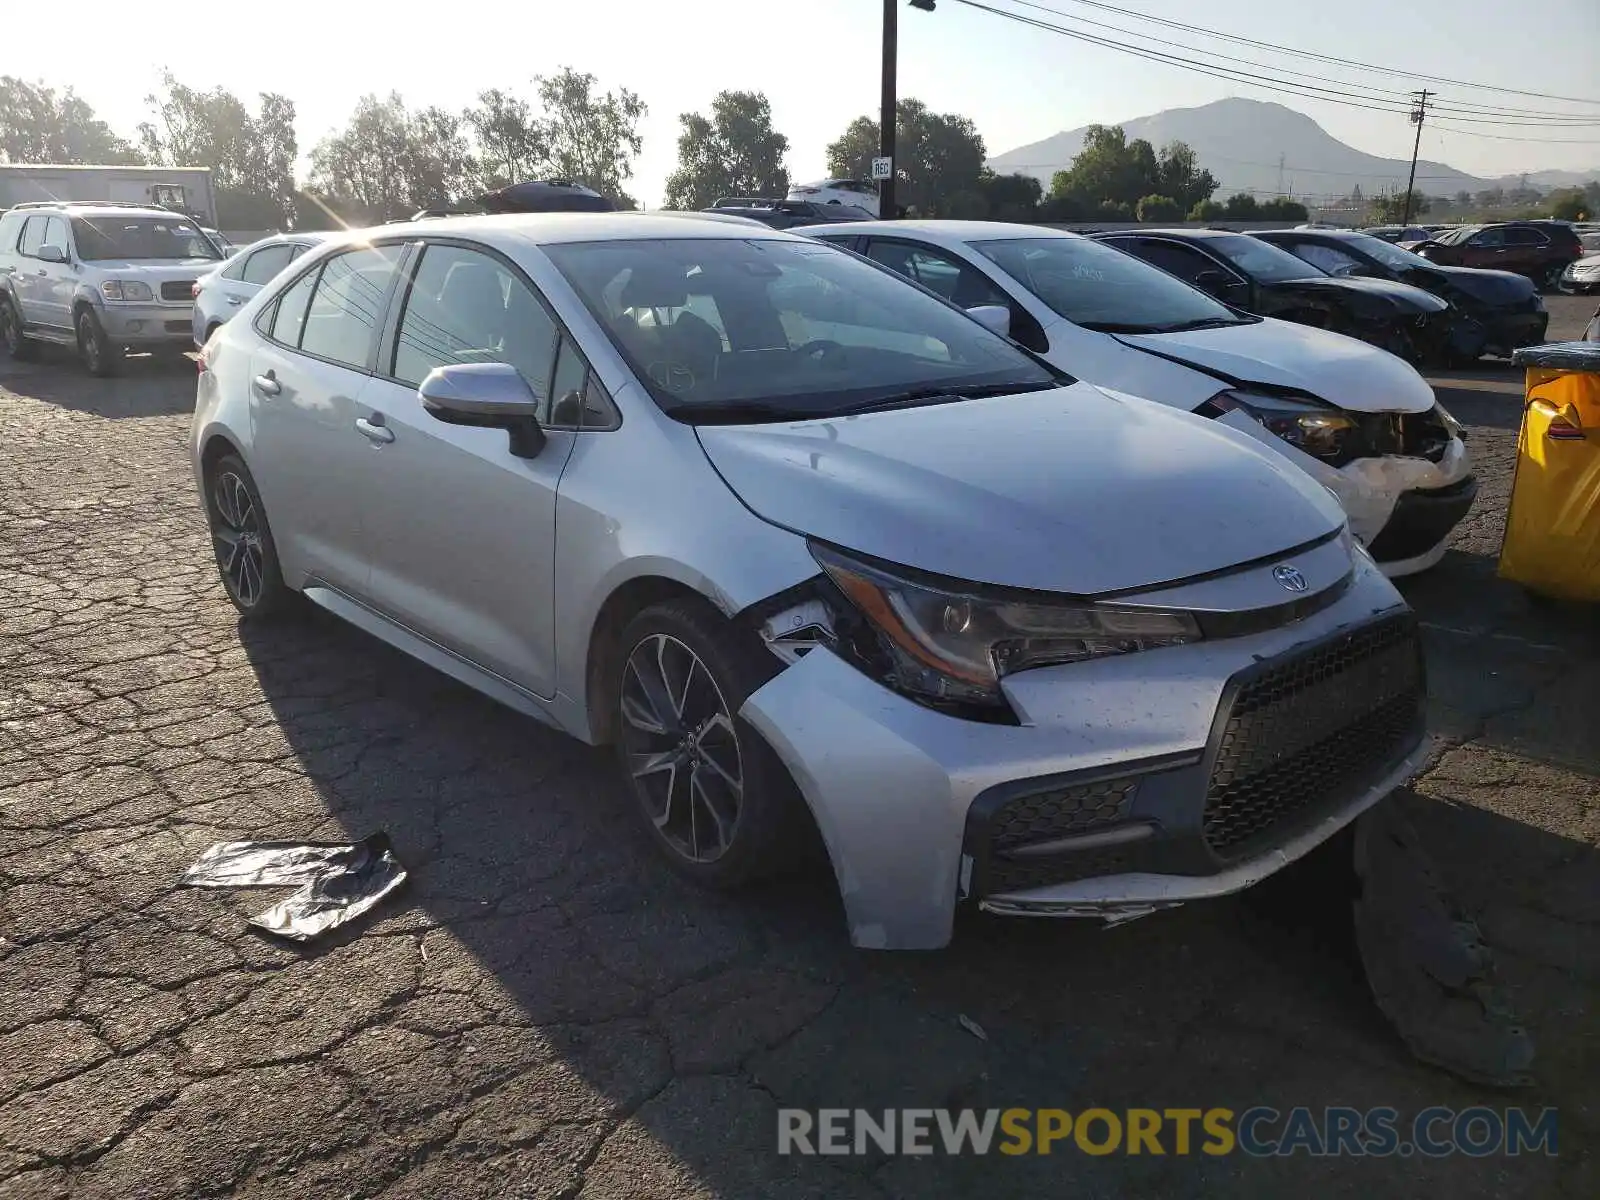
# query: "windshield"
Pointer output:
{"type": "Point", "coordinates": [1390, 256]}
{"type": "Point", "coordinates": [725, 328]}
{"type": "Point", "coordinates": [106, 238]}
{"type": "Point", "coordinates": [1256, 258]}
{"type": "Point", "coordinates": [1098, 287]}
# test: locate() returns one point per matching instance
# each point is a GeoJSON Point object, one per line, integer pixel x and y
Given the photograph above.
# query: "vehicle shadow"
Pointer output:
{"type": "Point", "coordinates": [544, 906]}
{"type": "Point", "coordinates": [147, 386]}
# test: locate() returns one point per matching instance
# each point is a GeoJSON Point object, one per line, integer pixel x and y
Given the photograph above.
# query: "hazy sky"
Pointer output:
{"type": "Point", "coordinates": [818, 62]}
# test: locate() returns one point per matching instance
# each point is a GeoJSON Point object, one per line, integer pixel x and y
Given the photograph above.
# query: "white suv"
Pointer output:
{"type": "Point", "coordinates": [106, 278]}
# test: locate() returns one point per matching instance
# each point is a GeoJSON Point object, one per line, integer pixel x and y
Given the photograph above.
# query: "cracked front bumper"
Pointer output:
{"type": "Point", "coordinates": [894, 786]}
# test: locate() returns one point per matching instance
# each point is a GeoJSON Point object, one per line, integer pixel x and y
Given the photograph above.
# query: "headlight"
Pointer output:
{"type": "Point", "coordinates": [954, 642]}
{"type": "Point", "coordinates": [126, 289]}
{"type": "Point", "coordinates": [1538, 302]}
{"type": "Point", "coordinates": [1319, 429]}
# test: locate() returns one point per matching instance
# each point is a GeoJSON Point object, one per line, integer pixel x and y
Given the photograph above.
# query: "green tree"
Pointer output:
{"type": "Point", "coordinates": [938, 157]}
{"type": "Point", "coordinates": [1570, 204]}
{"type": "Point", "coordinates": [388, 162]}
{"type": "Point", "coordinates": [1179, 175]}
{"type": "Point", "coordinates": [1109, 168]}
{"type": "Point", "coordinates": [40, 125]}
{"type": "Point", "coordinates": [251, 155]}
{"type": "Point", "coordinates": [590, 138]}
{"type": "Point", "coordinates": [1281, 208]}
{"type": "Point", "coordinates": [1009, 197]}
{"type": "Point", "coordinates": [734, 152]}
{"type": "Point", "coordinates": [1241, 206]}
{"type": "Point", "coordinates": [1207, 210]}
{"type": "Point", "coordinates": [1463, 198]}
{"type": "Point", "coordinates": [1390, 209]}
{"type": "Point", "coordinates": [510, 141]}
{"type": "Point", "coordinates": [1158, 208]}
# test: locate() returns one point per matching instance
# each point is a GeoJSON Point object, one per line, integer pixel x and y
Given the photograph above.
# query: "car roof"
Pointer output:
{"type": "Point", "coordinates": [543, 229]}
{"type": "Point", "coordinates": [951, 232]}
{"type": "Point", "coordinates": [97, 209]}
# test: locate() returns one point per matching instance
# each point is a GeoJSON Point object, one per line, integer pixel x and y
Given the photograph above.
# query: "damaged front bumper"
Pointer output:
{"type": "Point", "coordinates": [1181, 761]}
{"type": "Point", "coordinates": [1401, 507]}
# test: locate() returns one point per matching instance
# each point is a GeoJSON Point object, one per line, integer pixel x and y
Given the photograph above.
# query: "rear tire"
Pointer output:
{"type": "Point", "coordinates": [17, 344]}
{"type": "Point", "coordinates": [100, 357]}
{"type": "Point", "coordinates": [713, 796]}
{"type": "Point", "coordinates": [241, 539]}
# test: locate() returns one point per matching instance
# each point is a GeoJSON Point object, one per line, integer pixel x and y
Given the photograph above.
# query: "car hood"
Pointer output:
{"type": "Point", "coordinates": [1282, 354]}
{"type": "Point", "coordinates": [1493, 287]}
{"type": "Point", "coordinates": [1069, 490]}
{"type": "Point", "coordinates": [158, 268]}
{"type": "Point", "coordinates": [1402, 295]}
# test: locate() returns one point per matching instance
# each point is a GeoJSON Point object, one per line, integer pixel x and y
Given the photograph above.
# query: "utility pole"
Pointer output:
{"type": "Point", "coordinates": [1418, 112]}
{"type": "Point", "coordinates": [1281, 157]}
{"type": "Point", "coordinates": [886, 117]}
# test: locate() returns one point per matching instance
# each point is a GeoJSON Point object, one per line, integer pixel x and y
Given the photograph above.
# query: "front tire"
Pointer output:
{"type": "Point", "coordinates": [100, 357]}
{"type": "Point", "coordinates": [714, 798]}
{"type": "Point", "coordinates": [247, 557]}
{"type": "Point", "coordinates": [17, 344]}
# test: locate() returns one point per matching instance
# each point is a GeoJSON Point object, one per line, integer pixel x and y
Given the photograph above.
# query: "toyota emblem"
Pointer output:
{"type": "Point", "coordinates": [1290, 577]}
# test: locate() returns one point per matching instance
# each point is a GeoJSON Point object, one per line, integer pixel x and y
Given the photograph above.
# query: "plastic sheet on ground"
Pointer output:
{"type": "Point", "coordinates": [336, 882]}
{"type": "Point", "coordinates": [1428, 967]}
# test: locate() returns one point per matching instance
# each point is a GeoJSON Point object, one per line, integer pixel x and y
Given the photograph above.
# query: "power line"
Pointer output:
{"type": "Point", "coordinates": [1234, 75]}
{"type": "Point", "coordinates": [1327, 58]}
{"type": "Point", "coordinates": [1487, 113]}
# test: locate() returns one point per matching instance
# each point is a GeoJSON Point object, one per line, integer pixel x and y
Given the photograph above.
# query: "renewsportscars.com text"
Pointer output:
{"type": "Point", "coordinates": [1258, 1132]}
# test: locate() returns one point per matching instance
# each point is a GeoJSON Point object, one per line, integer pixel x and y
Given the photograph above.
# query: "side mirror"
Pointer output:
{"type": "Point", "coordinates": [52, 254]}
{"type": "Point", "coordinates": [994, 317]}
{"type": "Point", "coordinates": [487, 395]}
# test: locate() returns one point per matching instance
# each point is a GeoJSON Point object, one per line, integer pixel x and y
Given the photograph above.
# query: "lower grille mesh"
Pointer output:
{"type": "Point", "coordinates": [1305, 733]}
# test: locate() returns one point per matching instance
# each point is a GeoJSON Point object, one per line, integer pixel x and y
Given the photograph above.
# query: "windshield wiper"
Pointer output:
{"type": "Point", "coordinates": [1202, 323]}
{"type": "Point", "coordinates": [914, 397]}
{"type": "Point", "coordinates": [1116, 327]}
{"type": "Point", "coordinates": [737, 412]}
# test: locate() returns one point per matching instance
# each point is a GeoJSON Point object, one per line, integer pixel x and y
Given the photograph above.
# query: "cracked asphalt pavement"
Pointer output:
{"type": "Point", "coordinates": [546, 1011]}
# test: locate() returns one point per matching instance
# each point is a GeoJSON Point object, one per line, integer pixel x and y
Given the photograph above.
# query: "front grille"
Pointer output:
{"type": "Point", "coordinates": [1304, 734]}
{"type": "Point", "coordinates": [178, 289]}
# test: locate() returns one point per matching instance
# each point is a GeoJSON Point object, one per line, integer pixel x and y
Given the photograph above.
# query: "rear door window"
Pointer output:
{"type": "Point", "coordinates": [265, 263]}
{"type": "Point", "coordinates": [347, 306]}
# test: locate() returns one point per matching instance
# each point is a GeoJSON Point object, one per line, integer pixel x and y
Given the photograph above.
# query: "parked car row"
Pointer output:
{"type": "Point", "coordinates": [826, 560]}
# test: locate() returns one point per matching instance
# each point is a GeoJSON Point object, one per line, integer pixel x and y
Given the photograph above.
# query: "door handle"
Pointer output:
{"type": "Point", "coordinates": [42, 271]}
{"type": "Point", "coordinates": [374, 430]}
{"type": "Point", "coordinates": [267, 384]}
{"type": "Point", "coordinates": [235, 300]}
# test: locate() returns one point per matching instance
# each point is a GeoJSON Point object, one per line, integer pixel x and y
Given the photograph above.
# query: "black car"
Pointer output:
{"type": "Point", "coordinates": [1255, 277]}
{"type": "Point", "coordinates": [1507, 305]}
{"type": "Point", "coordinates": [545, 195]}
{"type": "Point", "coordinates": [789, 214]}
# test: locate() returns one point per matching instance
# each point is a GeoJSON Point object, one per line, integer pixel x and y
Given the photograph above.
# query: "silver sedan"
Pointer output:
{"type": "Point", "coordinates": [821, 557]}
{"type": "Point", "coordinates": [220, 293]}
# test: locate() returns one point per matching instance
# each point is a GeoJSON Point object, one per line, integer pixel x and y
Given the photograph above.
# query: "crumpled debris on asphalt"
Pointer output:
{"type": "Point", "coordinates": [1426, 962]}
{"type": "Point", "coordinates": [337, 881]}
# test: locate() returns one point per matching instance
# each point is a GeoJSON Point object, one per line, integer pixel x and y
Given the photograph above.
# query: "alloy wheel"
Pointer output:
{"type": "Point", "coordinates": [681, 748]}
{"type": "Point", "coordinates": [236, 532]}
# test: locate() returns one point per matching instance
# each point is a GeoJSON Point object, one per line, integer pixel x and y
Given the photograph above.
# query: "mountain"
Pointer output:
{"type": "Point", "coordinates": [1546, 180]}
{"type": "Point", "coordinates": [1240, 142]}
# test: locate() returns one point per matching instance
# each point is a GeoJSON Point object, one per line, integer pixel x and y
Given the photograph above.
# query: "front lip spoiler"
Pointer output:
{"type": "Point", "coordinates": [1118, 898]}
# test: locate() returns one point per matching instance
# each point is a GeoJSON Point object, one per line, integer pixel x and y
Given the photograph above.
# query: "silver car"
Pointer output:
{"type": "Point", "coordinates": [220, 293]}
{"type": "Point", "coordinates": [815, 553]}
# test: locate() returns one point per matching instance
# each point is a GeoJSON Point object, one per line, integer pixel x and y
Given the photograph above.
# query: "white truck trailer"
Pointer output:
{"type": "Point", "coordinates": [183, 189]}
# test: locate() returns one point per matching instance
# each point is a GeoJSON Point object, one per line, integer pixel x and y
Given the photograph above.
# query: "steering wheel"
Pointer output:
{"type": "Point", "coordinates": [821, 349]}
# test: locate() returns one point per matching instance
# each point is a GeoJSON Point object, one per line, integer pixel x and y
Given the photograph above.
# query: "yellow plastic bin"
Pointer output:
{"type": "Point", "coordinates": [1552, 540]}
